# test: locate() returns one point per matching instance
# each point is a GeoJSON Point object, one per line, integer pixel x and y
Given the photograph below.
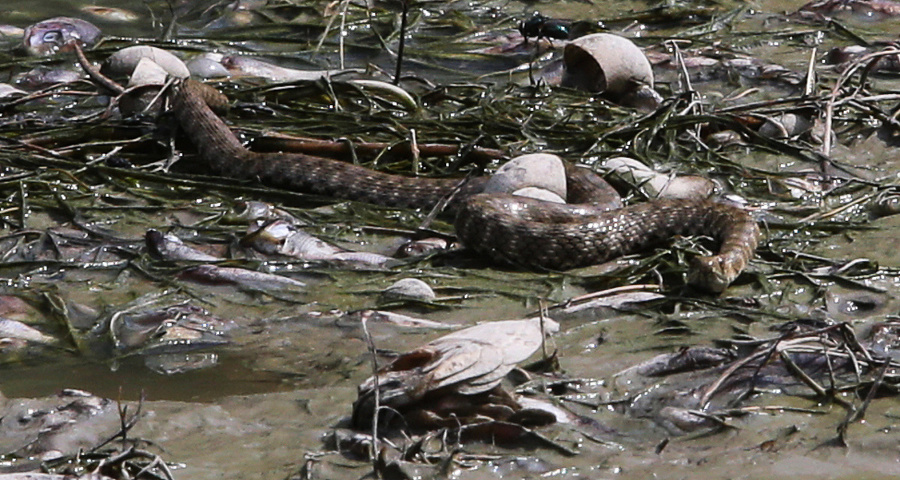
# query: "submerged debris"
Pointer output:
{"type": "Point", "coordinates": [701, 387]}
{"type": "Point", "coordinates": [55, 426]}
{"type": "Point", "coordinates": [65, 435]}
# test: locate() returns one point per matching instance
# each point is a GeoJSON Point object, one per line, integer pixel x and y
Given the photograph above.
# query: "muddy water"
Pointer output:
{"type": "Point", "coordinates": [260, 406]}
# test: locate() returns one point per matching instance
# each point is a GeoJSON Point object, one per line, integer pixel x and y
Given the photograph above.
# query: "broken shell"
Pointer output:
{"type": "Point", "coordinates": [635, 172]}
{"type": "Point", "coordinates": [658, 185]}
{"type": "Point", "coordinates": [605, 63]}
{"type": "Point", "coordinates": [125, 61]}
{"type": "Point", "coordinates": [723, 138]}
{"type": "Point", "coordinates": [538, 193]}
{"type": "Point", "coordinates": [145, 83]}
{"type": "Point", "coordinates": [409, 289]}
{"type": "Point", "coordinates": [688, 187]}
{"type": "Point", "coordinates": [454, 370]}
{"type": "Point", "coordinates": [147, 72]}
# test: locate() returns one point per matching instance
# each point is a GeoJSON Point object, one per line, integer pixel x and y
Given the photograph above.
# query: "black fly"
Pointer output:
{"type": "Point", "coordinates": [540, 26]}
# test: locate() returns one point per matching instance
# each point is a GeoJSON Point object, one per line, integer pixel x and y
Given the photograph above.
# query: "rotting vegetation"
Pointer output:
{"type": "Point", "coordinates": [812, 154]}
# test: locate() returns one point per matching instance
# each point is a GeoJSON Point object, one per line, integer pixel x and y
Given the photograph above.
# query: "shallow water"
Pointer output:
{"type": "Point", "coordinates": [261, 405]}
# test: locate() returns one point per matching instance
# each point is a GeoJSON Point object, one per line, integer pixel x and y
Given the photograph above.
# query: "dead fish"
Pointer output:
{"type": "Point", "coordinates": [185, 326]}
{"type": "Point", "coordinates": [14, 307]}
{"type": "Point", "coordinates": [386, 91]}
{"type": "Point", "coordinates": [110, 13]}
{"type": "Point", "coordinates": [248, 212]}
{"type": "Point", "coordinates": [658, 185]}
{"type": "Point", "coordinates": [170, 247]}
{"type": "Point", "coordinates": [425, 246]}
{"type": "Point", "coordinates": [282, 238]}
{"type": "Point", "coordinates": [686, 390]}
{"type": "Point", "coordinates": [845, 57]}
{"type": "Point", "coordinates": [53, 35]}
{"type": "Point", "coordinates": [863, 9]}
{"type": "Point", "coordinates": [17, 330]}
{"type": "Point", "coordinates": [251, 67]}
{"type": "Point", "coordinates": [354, 319]}
{"type": "Point", "coordinates": [173, 363]}
{"type": "Point", "coordinates": [39, 78]}
{"type": "Point", "coordinates": [605, 307]}
{"type": "Point", "coordinates": [241, 277]}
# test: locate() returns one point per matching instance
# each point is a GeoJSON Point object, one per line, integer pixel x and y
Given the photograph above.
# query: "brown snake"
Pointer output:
{"type": "Point", "coordinates": [505, 228]}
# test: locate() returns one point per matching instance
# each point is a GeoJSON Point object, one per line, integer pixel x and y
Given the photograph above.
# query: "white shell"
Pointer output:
{"type": "Point", "coordinates": [409, 289]}
{"type": "Point", "coordinates": [147, 72]}
{"type": "Point", "coordinates": [605, 63]}
{"type": "Point", "coordinates": [539, 194]}
{"type": "Point", "coordinates": [538, 170]}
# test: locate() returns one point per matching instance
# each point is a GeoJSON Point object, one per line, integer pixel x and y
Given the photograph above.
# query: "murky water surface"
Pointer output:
{"type": "Point", "coordinates": [278, 367]}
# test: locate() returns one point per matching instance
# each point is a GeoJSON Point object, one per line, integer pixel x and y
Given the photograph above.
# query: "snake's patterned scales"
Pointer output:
{"type": "Point", "coordinates": [509, 229]}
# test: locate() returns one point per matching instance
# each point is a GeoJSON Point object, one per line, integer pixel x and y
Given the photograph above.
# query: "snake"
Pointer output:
{"type": "Point", "coordinates": [589, 229]}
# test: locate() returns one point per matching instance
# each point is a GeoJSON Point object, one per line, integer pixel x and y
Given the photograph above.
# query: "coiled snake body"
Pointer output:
{"type": "Point", "coordinates": [506, 228]}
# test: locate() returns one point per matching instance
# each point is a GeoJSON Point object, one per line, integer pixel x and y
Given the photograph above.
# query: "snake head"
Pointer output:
{"type": "Point", "coordinates": [713, 273]}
